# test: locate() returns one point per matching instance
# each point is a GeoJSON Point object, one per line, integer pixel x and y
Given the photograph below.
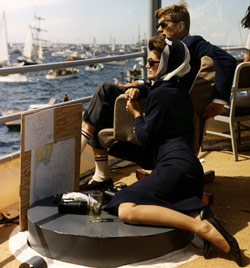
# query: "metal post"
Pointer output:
{"type": "Point", "coordinates": [153, 5]}
{"type": "Point", "coordinates": [144, 62]}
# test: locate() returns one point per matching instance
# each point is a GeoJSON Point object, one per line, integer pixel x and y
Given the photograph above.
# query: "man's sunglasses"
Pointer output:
{"type": "Point", "coordinates": [164, 23]}
{"type": "Point", "coordinates": [152, 62]}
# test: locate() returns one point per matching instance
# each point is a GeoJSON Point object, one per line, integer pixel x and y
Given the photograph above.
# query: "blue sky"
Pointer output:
{"type": "Point", "coordinates": [79, 21]}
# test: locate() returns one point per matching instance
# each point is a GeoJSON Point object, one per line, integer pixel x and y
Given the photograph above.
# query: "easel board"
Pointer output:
{"type": "Point", "coordinates": [50, 154]}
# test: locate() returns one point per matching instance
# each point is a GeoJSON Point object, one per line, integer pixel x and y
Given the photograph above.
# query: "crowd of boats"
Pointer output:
{"type": "Point", "coordinates": [34, 48]}
{"type": "Point", "coordinates": [32, 52]}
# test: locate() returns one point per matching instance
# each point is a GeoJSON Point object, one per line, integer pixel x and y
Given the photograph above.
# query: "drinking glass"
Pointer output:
{"type": "Point", "coordinates": [95, 206]}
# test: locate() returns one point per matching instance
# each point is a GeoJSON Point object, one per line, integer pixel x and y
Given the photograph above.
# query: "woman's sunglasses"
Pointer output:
{"type": "Point", "coordinates": [164, 23]}
{"type": "Point", "coordinates": [152, 62]}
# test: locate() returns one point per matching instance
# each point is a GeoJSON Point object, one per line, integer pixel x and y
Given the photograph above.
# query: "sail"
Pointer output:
{"type": "Point", "coordinates": [40, 51]}
{"type": "Point", "coordinates": [27, 50]}
{"type": "Point", "coordinates": [94, 42]}
{"type": "Point", "coordinates": [113, 45]}
{"type": "Point", "coordinates": [4, 53]}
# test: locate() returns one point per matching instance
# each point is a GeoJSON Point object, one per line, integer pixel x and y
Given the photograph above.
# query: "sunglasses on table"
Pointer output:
{"type": "Point", "coordinates": [152, 62]}
{"type": "Point", "coordinates": [164, 23]}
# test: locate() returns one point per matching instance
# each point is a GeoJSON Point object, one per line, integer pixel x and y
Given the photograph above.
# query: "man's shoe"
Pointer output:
{"type": "Point", "coordinates": [97, 185]}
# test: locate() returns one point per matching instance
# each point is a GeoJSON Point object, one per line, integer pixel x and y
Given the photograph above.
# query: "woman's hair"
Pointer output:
{"type": "Point", "coordinates": [177, 13]}
{"type": "Point", "coordinates": [245, 22]}
{"type": "Point", "coordinates": [157, 44]}
{"type": "Point", "coordinates": [173, 55]}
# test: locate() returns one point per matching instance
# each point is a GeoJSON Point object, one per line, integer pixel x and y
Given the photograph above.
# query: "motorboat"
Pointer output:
{"type": "Point", "coordinates": [94, 67]}
{"type": "Point", "coordinates": [116, 62]}
{"type": "Point", "coordinates": [63, 73]}
{"type": "Point", "coordinates": [76, 56]}
{"type": "Point", "coordinates": [13, 78]}
{"type": "Point", "coordinates": [15, 125]}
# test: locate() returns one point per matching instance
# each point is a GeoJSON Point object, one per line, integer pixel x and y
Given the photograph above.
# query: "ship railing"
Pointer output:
{"type": "Point", "coordinates": [230, 48]}
{"type": "Point", "coordinates": [65, 64]}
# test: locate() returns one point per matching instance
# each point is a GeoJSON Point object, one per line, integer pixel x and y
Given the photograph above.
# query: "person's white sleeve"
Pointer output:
{"type": "Point", "coordinates": [141, 82]}
{"type": "Point", "coordinates": [248, 42]}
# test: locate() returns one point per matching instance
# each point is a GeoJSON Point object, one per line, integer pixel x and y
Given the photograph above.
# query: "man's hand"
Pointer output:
{"type": "Point", "coordinates": [213, 109]}
{"type": "Point", "coordinates": [132, 93]}
{"type": "Point", "coordinates": [133, 84]}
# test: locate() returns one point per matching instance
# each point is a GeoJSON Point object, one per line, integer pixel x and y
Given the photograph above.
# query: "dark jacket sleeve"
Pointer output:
{"type": "Point", "coordinates": [224, 64]}
{"type": "Point", "coordinates": [148, 128]}
{"type": "Point", "coordinates": [144, 89]}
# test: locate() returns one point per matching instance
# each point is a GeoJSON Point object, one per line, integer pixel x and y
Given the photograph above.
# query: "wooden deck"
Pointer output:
{"type": "Point", "coordinates": [231, 190]}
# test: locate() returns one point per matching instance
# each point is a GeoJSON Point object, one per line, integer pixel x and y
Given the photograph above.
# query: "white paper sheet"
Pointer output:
{"type": "Point", "coordinates": [39, 129]}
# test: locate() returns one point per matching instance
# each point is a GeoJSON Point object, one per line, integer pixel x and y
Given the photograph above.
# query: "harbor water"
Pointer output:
{"type": "Point", "coordinates": [38, 90]}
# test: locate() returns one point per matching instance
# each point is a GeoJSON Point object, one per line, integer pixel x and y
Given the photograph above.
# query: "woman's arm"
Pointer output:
{"type": "Point", "coordinates": [147, 128]}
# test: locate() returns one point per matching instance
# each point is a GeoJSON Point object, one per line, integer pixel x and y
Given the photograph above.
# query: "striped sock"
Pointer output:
{"type": "Point", "coordinates": [85, 136]}
{"type": "Point", "coordinates": [101, 168]}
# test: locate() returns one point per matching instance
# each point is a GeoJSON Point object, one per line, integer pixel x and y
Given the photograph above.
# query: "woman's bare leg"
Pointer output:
{"type": "Point", "coordinates": [161, 216]}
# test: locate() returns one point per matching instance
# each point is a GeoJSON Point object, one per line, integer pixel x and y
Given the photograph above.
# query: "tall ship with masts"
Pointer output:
{"type": "Point", "coordinates": [32, 51]}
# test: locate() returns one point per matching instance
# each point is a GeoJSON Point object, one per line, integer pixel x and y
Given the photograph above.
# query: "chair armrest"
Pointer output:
{"type": "Point", "coordinates": [123, 120]}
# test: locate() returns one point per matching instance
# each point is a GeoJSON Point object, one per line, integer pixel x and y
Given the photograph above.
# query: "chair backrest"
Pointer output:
{"type": "Point", "coordinates": [201, 96]}
{"type": "Point", "coordinates": [202, 87]}
{"type": "Point", "coordinates": [241, 83]}
{"type": "Point", "coordinates": [241, 76]}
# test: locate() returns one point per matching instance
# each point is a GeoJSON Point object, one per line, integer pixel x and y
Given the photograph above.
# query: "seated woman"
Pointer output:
{"type": "Point", "coordinates": [171, 194]}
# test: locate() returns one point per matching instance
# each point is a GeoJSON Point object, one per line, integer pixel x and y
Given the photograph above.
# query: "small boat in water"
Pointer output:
{"type": "Point", "coordinates": [13, 78]}
{"type": "Point", "coordinates": [15, 125]}
{"type": "Point", "coordinates": [62, 73]}
{"type": "Point", "coordinates": [94, 67]}
{"type": "Point", "coordinates": [116, 62]}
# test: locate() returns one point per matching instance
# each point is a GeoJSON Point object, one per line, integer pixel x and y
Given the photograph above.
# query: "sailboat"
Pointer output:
{"type": "Point", "coordinates": [32, 51]}
{"type": "Point", "coordinates": [113, 51]}
{"type": "Point", "coordinates": [4, 55]}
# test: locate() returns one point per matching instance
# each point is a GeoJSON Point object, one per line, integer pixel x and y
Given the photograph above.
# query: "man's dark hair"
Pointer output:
{"type": "Point", "coordinates": [177, 13]}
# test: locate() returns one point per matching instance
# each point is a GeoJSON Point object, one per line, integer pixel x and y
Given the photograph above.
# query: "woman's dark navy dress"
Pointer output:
{"type": "Point", "coordinates": [167, 130]}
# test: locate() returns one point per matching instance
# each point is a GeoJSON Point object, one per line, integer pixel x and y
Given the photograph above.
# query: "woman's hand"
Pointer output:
{"type": "Point", "coordinates": [132, 93]}
{"type": "Point", "coordinates": [133, 107]}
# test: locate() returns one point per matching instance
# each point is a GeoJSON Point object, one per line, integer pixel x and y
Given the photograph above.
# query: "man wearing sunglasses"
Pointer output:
{"type": "Point", "coordinates": [173, 21]}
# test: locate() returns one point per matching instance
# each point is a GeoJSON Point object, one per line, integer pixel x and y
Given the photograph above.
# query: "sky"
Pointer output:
{"type": "Point", "coordinates": [80, 21]}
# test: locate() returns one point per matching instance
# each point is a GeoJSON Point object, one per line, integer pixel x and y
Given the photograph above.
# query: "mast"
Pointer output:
{"type": "Point", "coordinates": [4, 53]}
{"type": "Point", "coordinates": [38, 54]}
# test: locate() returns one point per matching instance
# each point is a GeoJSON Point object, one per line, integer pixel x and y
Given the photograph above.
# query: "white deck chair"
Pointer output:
{"type": "Point", "coordinates": [239, 108]}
